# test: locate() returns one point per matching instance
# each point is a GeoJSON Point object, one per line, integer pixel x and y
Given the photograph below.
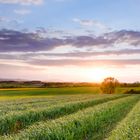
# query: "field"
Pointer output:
{"type": "Point", "coordinates": [77, 113]}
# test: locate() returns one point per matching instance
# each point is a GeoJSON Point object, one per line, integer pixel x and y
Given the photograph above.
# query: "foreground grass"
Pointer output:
{"type": "Point", "coordinates": [35, 102]}
{"type": "Point", "coordinates": [78, 113]}
{"type": "Point", "coordinates": [92, 123]}
{"type": "Point", "coordinates": [129, 128]}
{"type": "Point", "coordinates": [15, 121]}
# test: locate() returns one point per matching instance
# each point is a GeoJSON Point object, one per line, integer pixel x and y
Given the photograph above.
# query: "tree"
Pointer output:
{"type": "Point", "coordinates": [109, 85]}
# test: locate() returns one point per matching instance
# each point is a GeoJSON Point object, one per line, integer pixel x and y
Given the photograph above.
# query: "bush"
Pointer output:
{"type": "Point", "coordinates": [132, 91]}
{"type": "Point", "coordinates": [109, 85]}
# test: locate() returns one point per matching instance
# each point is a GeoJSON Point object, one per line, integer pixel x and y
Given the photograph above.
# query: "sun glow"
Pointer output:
{"type": "Point", "coordinates": [98, 74]}
{"type": "Point", "coordinates": [76, 74]}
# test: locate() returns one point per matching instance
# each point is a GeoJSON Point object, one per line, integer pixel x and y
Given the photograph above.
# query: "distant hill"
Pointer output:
{"type": "Point", "coordinates": [6, 79]}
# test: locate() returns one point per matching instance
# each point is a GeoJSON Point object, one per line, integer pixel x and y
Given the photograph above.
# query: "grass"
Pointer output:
{"type": "Point", "coordinates": [68, 114]}
{"type": "Point", "coordinates": [128, 128]}
{"type": "Point", "coordinates": [49, 91]}
{"type": "Point", "coordinates": [92, 123]}
{"type": "Point", "coordinates": [9, 121]}
{"type": "Point", "coordinates": [56, 91]}
{"type": "Point", "coordinates": [121, 90]}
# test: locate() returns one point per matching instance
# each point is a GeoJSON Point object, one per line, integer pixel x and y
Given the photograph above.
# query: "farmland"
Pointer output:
{"type": "Point", "coordinates": [76, 113]}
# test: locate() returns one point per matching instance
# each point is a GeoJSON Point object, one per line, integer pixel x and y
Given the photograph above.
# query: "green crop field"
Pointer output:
{"type": "Point", "coordinates": [76, 113]}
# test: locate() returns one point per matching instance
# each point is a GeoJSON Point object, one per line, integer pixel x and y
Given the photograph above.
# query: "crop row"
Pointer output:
{"type": "Point", "coordinates": [15, 121]}
{"type": "Point", "coordinates": [18, 108]}
{"type": "Point", "coordinates": [36, 99]}
{"type": "Point", "coordinates": [39, 103]}
{"type": "Point", "coordinates": [129, 128]}
{"type": "Point", "coordinates": [92, 123]}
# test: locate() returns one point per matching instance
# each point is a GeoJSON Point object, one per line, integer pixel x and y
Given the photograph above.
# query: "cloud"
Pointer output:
{"type": "Point", "coordinates": [124, 36]}
{"type": "Point", "coordinates": [4, 19]}
{"type": "Point", "coordinates": [25, 42]}
{"type": "Point", "coordinates": [20, 41]}
{"type": "Point", "coordinates": [92, 53]}
{"type": "Point", "coordinates": [81, 62]}
{"type": "Point", "coordinates": [17, 41]}
{"type": "Point", "coordinates": [6, 22]}
{"type": "Point", "coordinates": [91, 23]}
{"type": "Point", "coordinates": [31, 55]}
{"type": "Point", "coordinates": [33, 48]}
{"type": "Point", "coordinates": [22, 11]}
{"type": "Point", "coordinates": [22, 2]}
{"type": "Point", "coordinates": [79, 56]}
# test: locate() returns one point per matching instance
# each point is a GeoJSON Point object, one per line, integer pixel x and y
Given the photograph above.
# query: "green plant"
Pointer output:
{"type": "Point", "coordinates": [109, 85]}
{"type": "Point", "coordinates": [93, 123]}
{"type": "Point", "coordinates": [129, 128]}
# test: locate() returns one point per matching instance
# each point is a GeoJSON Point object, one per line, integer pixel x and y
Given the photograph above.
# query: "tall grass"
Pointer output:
{"type": "Point", "coordinates": [35, 103]}
{"type": "Point", "coordinates": [129, 128]}
{"type": "Point", "coordinates": [92, 123]}
{"type": "Point", "coordinates": [15, 121]}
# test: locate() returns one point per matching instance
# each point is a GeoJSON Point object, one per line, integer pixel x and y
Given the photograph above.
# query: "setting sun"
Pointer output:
{"type": "Point", "coordinates": [69, 69]}
{"type": "Point", "coordinates": [97, 74]}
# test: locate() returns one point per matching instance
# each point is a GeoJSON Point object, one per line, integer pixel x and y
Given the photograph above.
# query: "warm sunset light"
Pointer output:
{"type": "Point", "coordinates": [97, 74]}
{"type": "Point", "coordinates": [69, 69]}
{"type": "Point", "coordinates": [73, 41]}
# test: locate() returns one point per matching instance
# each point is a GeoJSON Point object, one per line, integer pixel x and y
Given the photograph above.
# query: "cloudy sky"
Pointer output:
{"type": "Point", "coordinates": [70, 40]}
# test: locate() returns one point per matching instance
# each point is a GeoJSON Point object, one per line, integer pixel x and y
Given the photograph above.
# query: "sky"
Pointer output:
{"type": "Point", "coordinates": [70, 40]}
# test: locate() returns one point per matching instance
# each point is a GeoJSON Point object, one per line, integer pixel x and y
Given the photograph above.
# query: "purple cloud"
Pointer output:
{"type": "Point", "coordinates": [11, 41]}
{"type": "Point", "coordinates": [81, 62]}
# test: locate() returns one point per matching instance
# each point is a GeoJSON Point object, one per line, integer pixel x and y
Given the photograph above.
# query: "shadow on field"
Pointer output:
{"type": "Point", "coordinates": [132, 91]}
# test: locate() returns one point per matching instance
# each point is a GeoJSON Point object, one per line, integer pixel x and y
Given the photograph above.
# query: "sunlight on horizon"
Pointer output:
{"type": "Point", "coordinates": [97, 74]}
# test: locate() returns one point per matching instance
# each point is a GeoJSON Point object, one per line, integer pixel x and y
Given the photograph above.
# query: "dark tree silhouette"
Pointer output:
{"type": "Point", "coordinates": [109, 85]}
